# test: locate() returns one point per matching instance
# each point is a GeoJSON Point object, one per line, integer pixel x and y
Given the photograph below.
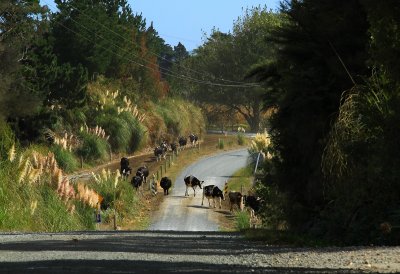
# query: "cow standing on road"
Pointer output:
{"type": "Point", "coordinates": [193, 182]}
{"type": "Point", "coordinates": [214, 193]}
{"type": "Point", "coordinates": [136, 182]}
{"type": "Point", "coordinates": [182, 142]}
{"type": "Point", "coordinates": [165, 184]}
{"type": "Point", "coordinates": [193, 139]}
{"type": "Point", "coordinates": [125, 170]}
{"type": "Point", "coordinates": [143, 172]}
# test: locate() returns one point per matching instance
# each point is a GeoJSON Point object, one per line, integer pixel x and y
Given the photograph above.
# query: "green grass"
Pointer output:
{"type": "Point", "coordinates": [65, 159]}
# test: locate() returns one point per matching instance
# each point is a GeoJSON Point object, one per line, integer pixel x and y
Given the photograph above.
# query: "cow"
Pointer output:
{"type": "Point", "coordinates": [193, 139]}
{"type": "Point", "coordinates": [136, 182]}
{"type": "Point", "coordinates": [143, 172]}
{"type": "Point", "coordinates": [125, 170]}
{"type": "Point", "coordinates": [214, 193]}
{"type": "Point", "coordinates": [254, 203]}
{"type": "Point", "coordinates": [235, 198]}
{"type": "Point", "coordinates": [174, 147]}
{"type": "Point", "coordinates": [165, 184]}
{"type": "Point", "coordinates": [193, 182]}
{"type": "Point", "coordinates": [182, 142]}
{"type": "Point", "coordinates": [159, 152]}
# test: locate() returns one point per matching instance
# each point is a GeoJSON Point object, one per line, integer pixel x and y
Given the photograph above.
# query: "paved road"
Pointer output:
{"type": "Point", "coordinates": [180, 213]}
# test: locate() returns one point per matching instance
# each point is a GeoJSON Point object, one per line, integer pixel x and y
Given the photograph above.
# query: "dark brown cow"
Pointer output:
{"type": "Point", "coordinates": [235, 198]}
{"type": "Point", "coordinates": [214, 193]}
{"type": "Point", "coordinates": [193, 182]}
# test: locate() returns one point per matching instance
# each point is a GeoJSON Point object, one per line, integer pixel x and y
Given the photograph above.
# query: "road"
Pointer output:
{"type": "Point", "coordinates": [180, 213]}
{"type": "Point", "coordinates": [195, 247]}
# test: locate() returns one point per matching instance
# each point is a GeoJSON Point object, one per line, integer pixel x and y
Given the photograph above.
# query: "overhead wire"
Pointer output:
{"type": "Point", "coordinates": [153, 69]}
{"type": "Point", "coordinates": [169, 72]}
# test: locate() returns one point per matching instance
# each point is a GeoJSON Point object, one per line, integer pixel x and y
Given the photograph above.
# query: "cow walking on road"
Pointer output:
{"type": "Point", "coordinates": [212, 192]}
{"type": "Point", "coordinates": [165, 184]}
{"type": "Point", "coordinates": [125, 170]}
{"type": "Point", "coordinates": [193, 182]}
{"type": "Point", "coordinates": [143, 172]}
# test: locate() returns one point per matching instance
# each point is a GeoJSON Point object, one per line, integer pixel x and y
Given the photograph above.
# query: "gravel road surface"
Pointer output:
{"type": "Point", "coordinates": [185, 213]}
{"type": "Point", "coordinates": [180, 252]}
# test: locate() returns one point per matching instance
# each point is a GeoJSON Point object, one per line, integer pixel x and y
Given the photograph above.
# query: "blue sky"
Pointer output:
{"type": "Point", "coordinates": [185, 21]}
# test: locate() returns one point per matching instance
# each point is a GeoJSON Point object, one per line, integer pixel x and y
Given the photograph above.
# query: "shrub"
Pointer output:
{"type": "Point", "coordinates": [118, 129]}
{"type": "Point", "coordinates": [65, 159]}
{"type": "Point", "coordinates": [93, 148]}
{"type": "Point", "coordinates": [242, 219]}
{"type": "Point", "coordinates": [7, 139]}
{"type": "Point", "coordinates": [241, 139]}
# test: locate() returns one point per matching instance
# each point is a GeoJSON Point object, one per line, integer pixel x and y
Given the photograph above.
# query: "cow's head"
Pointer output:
{"type": "Point", "coordinates": [201, 182]}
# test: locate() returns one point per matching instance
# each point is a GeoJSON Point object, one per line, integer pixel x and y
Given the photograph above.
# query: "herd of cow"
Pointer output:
{"type": "Point", "coordinates": [214, 193]}
{"type": "Point", "coordinates": [161, 150]}
{"type": "Point", "coordinates": [211, 192]}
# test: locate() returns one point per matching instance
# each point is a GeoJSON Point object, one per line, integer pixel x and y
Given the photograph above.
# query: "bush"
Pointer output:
{"type": "Point", "coordinates": [242, 220]}
{"type": "Point", "coordinates": [66, 160]}
{"type": "Point", "coordinates": [241, 139]}
{"type": "Point", "coordinates": [7, 139]}
{"type": "Point", "coordinates": [118, 129]}
{"type": "Point", "coordinates": [93, 148]}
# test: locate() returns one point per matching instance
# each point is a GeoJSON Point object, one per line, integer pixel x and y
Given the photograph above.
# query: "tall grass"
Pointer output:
{"type": "Point", "coordinates": [360, 164]}
{"type": "Point", "coordinates": [65, 159]}
{"type": "Point", "coordinates": [93, 148]}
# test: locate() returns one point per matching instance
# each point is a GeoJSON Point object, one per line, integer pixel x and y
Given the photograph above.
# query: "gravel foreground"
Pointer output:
{"type": "Point", "coordinates": [180, 252]}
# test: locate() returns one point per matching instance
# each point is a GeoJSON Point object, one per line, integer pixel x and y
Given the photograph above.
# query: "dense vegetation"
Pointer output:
{"type": "Point", "coordinates": [78, 84]}
{"type": "Point", "coordinates": [329, 75]}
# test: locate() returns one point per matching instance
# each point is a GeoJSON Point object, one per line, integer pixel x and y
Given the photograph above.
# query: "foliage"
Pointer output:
{"type": "Point", "coordinates": [222, 51]}
{"type": "Point", "coordinates": [242, 220]}
{"type": "Point", "coordinates": [65, 158]}
{"type": "Point", "coordinates": [93, 148]}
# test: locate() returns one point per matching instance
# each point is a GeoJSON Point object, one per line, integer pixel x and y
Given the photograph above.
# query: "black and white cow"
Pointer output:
{"type": "Point", "coordinates": [254, 203]}
{"type": "Point", "coordinates": [165, 184]}
{"type": "Point", "coordinates": [143, 172]}
{"type": "Point", "coordinates": [193, 182]}
{"type": "Point", "coordinates": [235, 198]}
{"type": "Point", "coordinates": [193, 139]}
{"type": "Point", "coordinates": [136, 182]}
{"type": "Point", "coordinates": [125, 170]}
{"type": "Point", "coordinates": [182, 142]}
{"type": "Point", "coordinates": [212, 192]}
{"type": "Point", "coordinates": [159, 152]}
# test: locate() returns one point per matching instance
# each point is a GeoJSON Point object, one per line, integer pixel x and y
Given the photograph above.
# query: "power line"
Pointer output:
{"type": "Point", "coordinates": [150, 68]}
{"type": "Point", "coordinates": [240, 84]}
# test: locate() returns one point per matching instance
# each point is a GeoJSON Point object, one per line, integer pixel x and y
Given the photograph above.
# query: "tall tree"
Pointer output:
{"type": "Point", "coordinates": [223, 62]}
{"type": "Point", "coordinates": [322, 50]}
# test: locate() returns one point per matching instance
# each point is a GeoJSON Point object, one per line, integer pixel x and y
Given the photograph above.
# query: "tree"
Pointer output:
{"type": "Point", "coordinates": [221, 65]}
{"type": "Point", "coordinates": [322, 50]}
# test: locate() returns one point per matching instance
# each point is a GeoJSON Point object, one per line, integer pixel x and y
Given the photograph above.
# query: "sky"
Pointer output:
{"type": "Point", "coordinates": [186, 21]}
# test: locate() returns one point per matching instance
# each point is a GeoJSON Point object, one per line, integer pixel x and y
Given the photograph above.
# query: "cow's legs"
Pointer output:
{"type": "Point", "coordinates": [186, 192]}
